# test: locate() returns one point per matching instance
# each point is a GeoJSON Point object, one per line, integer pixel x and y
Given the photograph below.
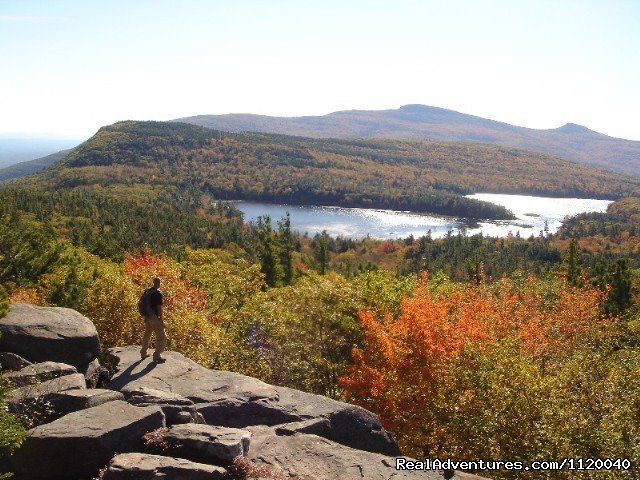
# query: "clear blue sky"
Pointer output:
{"type": "Point", "coordinates": [68, 67]}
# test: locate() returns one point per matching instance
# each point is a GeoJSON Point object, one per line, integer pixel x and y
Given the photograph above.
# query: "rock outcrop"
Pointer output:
{"type": "Point", "coordinates": [208, 443]}
{"type": "Point", "coordinates": [39, 372]}
{"type": "Point", "coordinates": [308, 457]}
{"type": "Point", "coordinates": [83, 442]}
{"type": "Point", "coordinates": [138, 466]}
{"type": "Point", "coordinates": [29, 394]}
{"type": "Point", "coordinates": [41, 334]}
{"type": "Point", "coordinates": [11, 361]}
{"type": "Point", "coordinates": [232, 400]}
{"type": "Point", "coordinates": [69, 401]}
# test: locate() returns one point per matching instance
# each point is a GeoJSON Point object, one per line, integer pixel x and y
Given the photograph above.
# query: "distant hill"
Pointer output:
{"type": "Point", "coordinates": [16, 149]}
{"type": "Point", "coordinates": [23, 169]}
{"type": "Point", "coordinates": [571, 141]}
{"type": "Point", "coordinates": [128, 158]}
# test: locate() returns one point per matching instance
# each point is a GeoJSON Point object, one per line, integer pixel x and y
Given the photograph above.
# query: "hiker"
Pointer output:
{"type": "Point", "coordinates": [150, 307]}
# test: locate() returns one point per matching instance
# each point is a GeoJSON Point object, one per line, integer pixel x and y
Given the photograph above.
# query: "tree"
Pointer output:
{"type": "Point", "coordinates": [286, 245]}
{"type": "Point", "coordinates": [267, 251]}
{"type": "Point", "coordinates": [321, 252]}
{"type": "Point", "coordinates": [572, 258]}
{"type": "Point", "coordinates": [620, 293]}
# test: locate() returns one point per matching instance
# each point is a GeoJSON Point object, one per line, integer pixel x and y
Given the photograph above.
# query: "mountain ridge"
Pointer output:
{"type": "Point", "coordinates": [571, 141]}
{"type": "Point", "coordinates": [426, 176]}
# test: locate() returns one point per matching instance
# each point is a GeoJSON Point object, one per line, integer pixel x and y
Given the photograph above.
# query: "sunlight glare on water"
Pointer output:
{"type": "Point", "coordinates": [532, 212]}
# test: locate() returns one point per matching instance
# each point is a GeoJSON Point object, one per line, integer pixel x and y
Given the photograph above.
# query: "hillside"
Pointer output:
{"type": "Point", "coordinates": [571, 141]}
{"type": "Point", "coordinates": [23, 169]}
{"type": "Point", "coordinates": [403, 175]}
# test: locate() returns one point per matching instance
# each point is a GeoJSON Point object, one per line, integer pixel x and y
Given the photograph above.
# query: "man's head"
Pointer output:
{"type": "Point", "coordinates": [156, 282]}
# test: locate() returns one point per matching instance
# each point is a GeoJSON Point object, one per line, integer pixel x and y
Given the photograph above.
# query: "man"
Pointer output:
{"type": "Point", "coordinates": [154, 322]}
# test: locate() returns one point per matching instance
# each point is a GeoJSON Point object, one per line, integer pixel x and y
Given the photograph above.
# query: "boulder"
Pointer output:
{"type": "Point", "coordinates": [208, 443]}
{"type": "Point", "coordinates": [307, 457]}
{"type": "Point", "coordinates": [42, 334]}
{"type": "Point", "coordinates": [81, 443]}
{"type": "Point", "coordinates": [30, 393]}
{"type": "Point", "coordinates": [69, 401]}
{"type": "Point", "coordinates": [140, 466]}
{"type": "Point", "coordinates": [11, 361]}
{"type": "Point", "coordinates": [39, 372]}
{"type": "Point", "coordinates": [232, 400]}
{"type": "Point", "coordinates": [94, 373]}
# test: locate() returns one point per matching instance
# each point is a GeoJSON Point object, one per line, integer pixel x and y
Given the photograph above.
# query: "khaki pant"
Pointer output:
{"type": "Point", "coordinates": [153, 324]}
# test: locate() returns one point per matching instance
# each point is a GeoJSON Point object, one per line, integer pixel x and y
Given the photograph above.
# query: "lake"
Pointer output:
{"type": "Point", "coordinates": [532, 213]}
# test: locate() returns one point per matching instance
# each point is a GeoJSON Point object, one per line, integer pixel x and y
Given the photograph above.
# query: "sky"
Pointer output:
{"type": "Point", "coordinates": [69, 67]}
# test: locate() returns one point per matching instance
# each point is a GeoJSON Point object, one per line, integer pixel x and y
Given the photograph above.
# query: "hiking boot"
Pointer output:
{"type": "Point", "coordinates": [143, 355]}
{"type": "Point", "coordinates": [159, 359]}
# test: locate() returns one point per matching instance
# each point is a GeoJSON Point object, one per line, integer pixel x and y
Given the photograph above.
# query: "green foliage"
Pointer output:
{"type": "Point", "coordinates": [268, 252]}
{"type": "Point", "coordinates": [4, 302]}
{"type": "Point", "coordinates": [572, 258]}
{"type": "Point", "coordinates": [27, 249]}
{"type": "Point", "coordinates": [111, 222]}
{"type": "Point", "coordinates": [12, 433]}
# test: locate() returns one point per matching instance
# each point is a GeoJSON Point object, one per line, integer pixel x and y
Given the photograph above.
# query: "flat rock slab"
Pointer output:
{"type": "Point", "coordinates": [145, 395]}
{"type": "Point", "coordinates": [30, 393]}
{"type": "Point", "coordinates": [139, 466]}
{"type": "Point", "coordinates": [64, 403]}
{"type": "Point", "coordinates": [42, 334]}
{"type": "Point", "coordinates": [183, 377]}
{"type": "Point", "coordinates": [208, 443]}
{"type": "Point", "coordinates": [232, 400]}
{"type": "Point", "coordinates": [11, 361]}
{"type": "Point", "coordinates": [39, 372]}
{"type": "Point", "coordinates": [310, 457]}
{"type": "Point", "coordinates": [81, 443]}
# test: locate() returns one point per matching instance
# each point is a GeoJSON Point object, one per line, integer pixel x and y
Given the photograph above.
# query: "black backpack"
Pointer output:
{"type": "Point", "coordinates": [143, 304]}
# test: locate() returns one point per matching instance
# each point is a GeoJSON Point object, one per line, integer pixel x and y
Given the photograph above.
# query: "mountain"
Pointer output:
{"type": "Point", "coordinates": [23, 169]}
{"type": "Point", "coordinates": [137, 158]}
{"type": "Point", "coordinates": [571, 142]}
{"type": "Point", "coordinates": [16, 149]}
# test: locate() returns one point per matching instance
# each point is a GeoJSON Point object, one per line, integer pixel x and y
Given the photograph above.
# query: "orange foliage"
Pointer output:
{"type": "Point", "coordinates": [404, 364]}
{"type": "Point", "coordinates": [178, 291]}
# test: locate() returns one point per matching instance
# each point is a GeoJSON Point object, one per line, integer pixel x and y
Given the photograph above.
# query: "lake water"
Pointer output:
{"type": "Point", "coordinates": [532, 212]}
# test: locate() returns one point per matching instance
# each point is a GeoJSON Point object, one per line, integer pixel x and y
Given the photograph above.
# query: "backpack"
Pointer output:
{"type": "Point", "coordinates": [143, 303]}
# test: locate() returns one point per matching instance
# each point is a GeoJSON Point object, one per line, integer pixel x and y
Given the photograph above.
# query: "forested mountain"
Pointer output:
{"type": "Point", "coordinates": [23, 169]}
{"type": "Point", "coordinates": [420, 176]}
{"type": "Point", "coordinates": [418, 122]}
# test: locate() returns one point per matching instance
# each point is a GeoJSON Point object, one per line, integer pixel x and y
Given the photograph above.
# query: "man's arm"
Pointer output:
{"type": "Point", "coordinates": [159, 311]}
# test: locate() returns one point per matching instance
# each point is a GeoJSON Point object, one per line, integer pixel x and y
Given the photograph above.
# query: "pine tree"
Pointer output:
{"type": "Point", "coordinates": [321, 252]}
{"type": "Point", "coordinates": [286, 249]}
{"type": "Point", "coordinates": [620, 293]}
{"type": "Point", "coordinates": [571, 259]}
{"type": "Point", "coordinates": [267, 252]}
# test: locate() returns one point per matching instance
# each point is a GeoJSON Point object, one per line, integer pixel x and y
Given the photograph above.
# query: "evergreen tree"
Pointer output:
{"type": "Point", "coordinates": [620, 293]}
{"type": "Point", "coordinates": [571, 259]}
{"type": "Point", "coordinates": [286, 249]}
{"type": "Point", "coordinates": [267, 251]}
{"type": "Point", "coordinates": [321, 252]}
